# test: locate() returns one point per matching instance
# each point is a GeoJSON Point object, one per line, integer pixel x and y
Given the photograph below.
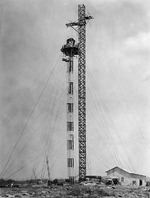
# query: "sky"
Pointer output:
{"type": "Point", "coordinates": [33, 86]}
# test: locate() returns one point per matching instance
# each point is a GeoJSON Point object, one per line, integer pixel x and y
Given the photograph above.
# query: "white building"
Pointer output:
{"type": "Point", "coordinates": [126, 178]}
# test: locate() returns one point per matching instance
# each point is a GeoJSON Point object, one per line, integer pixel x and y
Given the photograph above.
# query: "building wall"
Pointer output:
{"type": "Point", "coordinates": [126, 179]}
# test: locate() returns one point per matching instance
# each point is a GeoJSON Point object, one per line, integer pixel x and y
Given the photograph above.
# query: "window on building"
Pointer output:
{"type": "Point", "coordinates": [70, 88]}
{"type": "Point", "coordinates": [122, 179]}
{"type": "Point", "coordinates": [70, 162]}
{"type": "Point", "coordinates": [70, 145]}
{"type": "Point", "coordinates": [70, 107]}
{"type": "Point", "coordinates": [70, 142]}
{"type": "Point", "coordinates": [134, 182]}
{"type": "Point", "coordinates": [70, 126]}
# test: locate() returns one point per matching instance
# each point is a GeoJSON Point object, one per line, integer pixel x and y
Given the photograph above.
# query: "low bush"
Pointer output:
{"type": "Point", "coordinates": [81, 190]}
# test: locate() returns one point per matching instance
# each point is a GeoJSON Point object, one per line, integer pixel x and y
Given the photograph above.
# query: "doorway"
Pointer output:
{"type": "Point", "coordinates": [140, 182]}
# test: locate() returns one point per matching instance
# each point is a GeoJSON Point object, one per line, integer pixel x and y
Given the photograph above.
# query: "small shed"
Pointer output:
{"type": "Point", "coordinates": [126, 178]}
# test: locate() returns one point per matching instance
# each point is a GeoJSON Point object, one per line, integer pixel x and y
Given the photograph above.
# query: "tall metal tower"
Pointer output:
{"type": "Point", "coordinates": [70, 50]}
{"type": "Point", "coordinates": [81, 29]}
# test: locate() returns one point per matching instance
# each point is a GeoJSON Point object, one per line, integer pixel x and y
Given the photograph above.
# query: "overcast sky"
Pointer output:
{"type": "Point", "coordinates": [33, 108]}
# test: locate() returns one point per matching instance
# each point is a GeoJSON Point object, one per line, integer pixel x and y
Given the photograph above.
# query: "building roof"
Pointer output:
{"type": "Point", "coordinates": [117, 169]}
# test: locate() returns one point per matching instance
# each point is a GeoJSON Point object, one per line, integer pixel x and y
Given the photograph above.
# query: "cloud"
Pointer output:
{"type": "Point", "coordinates": [139, 42]}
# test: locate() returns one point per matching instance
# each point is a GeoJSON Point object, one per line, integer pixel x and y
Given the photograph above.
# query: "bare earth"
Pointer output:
{"type": "Point", "coordinates": [72, 191]}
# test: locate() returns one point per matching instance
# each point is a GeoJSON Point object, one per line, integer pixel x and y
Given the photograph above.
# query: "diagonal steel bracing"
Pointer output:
{"type": "Point", "coordinates": [82, 92]}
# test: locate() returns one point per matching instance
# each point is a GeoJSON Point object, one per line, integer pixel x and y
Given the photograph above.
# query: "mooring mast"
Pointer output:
{"type": "Point", "coordinates": [81, 29]}
{"type": "Point", "coordinates": [70, 50]}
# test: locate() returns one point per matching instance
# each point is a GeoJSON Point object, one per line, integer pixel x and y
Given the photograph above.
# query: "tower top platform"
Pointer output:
{"type": "Point", "coordinates": [70, 48]}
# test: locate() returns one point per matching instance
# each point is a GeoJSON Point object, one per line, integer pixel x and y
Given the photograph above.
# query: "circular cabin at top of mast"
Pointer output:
{"type": "Point", "coordinates": [70, 48]}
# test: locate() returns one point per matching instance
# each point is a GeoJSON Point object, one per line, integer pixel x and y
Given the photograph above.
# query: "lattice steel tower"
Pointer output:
{"type": "Point", "coordinates": [81, 29]}
{"type": "Point", "coordinates": [70, 50]}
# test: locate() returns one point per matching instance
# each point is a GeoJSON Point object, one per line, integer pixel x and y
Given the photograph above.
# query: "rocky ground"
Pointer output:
{"type": "Point", "coordinates": [76, 191]}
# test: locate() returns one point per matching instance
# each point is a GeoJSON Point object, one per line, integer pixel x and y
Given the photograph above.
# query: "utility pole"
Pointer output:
{"type": "Point", "coordinates": [81, 29]}
{"type": "Point", "coordinates": [48, 171]}
{"type": "Point", "coordinates": [34, 174]}
{"type": "Point", "coordinates": [70, 49]}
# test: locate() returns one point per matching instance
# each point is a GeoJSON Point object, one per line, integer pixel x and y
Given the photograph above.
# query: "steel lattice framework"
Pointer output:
{"type": "Point", "coordinates": [81, 29]}
{"type": "Point", "coordinates": [82, 92]}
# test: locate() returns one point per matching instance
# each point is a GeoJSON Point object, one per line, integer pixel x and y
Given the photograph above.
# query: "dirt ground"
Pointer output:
{"type": "Point", "coordinates": [78, 191]}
